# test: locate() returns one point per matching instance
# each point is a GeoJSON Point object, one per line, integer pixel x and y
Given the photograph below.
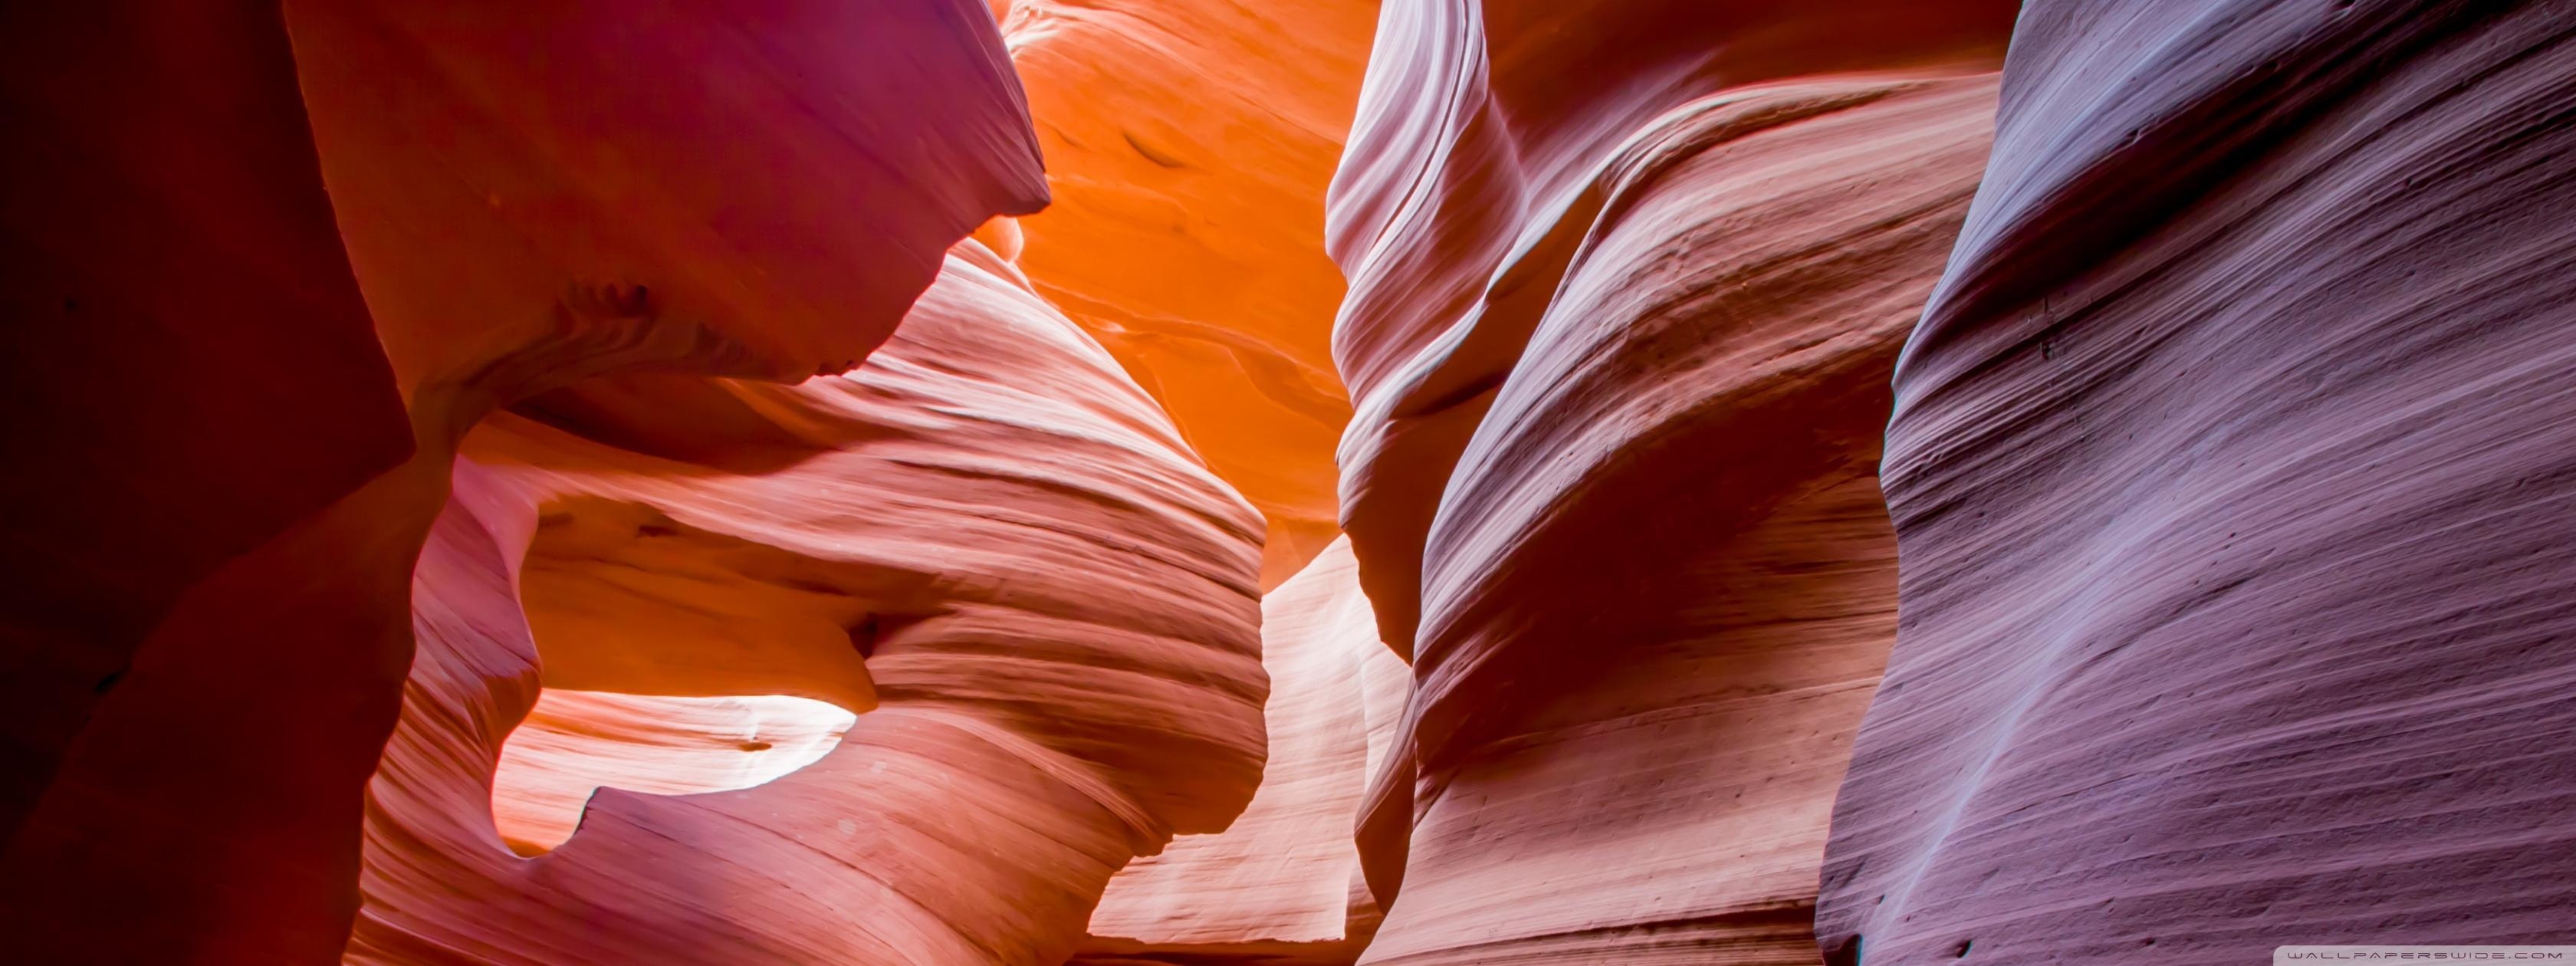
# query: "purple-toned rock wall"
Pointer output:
{"type": "Point", "coordinates": [2233, 470]}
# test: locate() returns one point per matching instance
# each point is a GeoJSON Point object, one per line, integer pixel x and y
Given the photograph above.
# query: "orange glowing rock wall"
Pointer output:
{"type": "Point", "coordinates": [1188, 144]}
{"type": "Point", "coordinates": [1619, 350]}
{"type": "Point", "coordinates": [1039, 607]}
{"type": "Point", "coordinates": [526, 195]}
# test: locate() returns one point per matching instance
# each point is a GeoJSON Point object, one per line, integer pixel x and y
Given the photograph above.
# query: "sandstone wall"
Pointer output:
{"type": "Point", "coordinates": [2231, 474]}
{"type": "Point", "coordinates": [525, 196]}
{"type": "Point", "coordinates": [985, 542]}
{"type": "Point", "coordinates": [1626, 286]}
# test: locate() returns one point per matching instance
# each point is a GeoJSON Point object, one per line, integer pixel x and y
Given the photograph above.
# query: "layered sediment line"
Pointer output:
{"type": "Point", "coordinates": [2231, 468]}
{"type": "Point", "coordinates": [1047, 605]}
{"type": "Point", "coordinates": [526, 198]}
{"type": "Point", "coordinates": [1619, 353]}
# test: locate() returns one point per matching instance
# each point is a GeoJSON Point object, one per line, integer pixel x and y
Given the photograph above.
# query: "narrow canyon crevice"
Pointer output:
{"type": "Point", "coordinates": [1314, 483]}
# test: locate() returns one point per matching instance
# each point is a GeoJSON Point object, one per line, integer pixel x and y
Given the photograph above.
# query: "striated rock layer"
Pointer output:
{"type": "Point", "coordinates": [1188, 146]}
{"type": "Point", "coordinates": [986, 543]}
{"type": "Point", "coordinates": [2234, 470]}
{"type": "Point", "coordinates": [1280, 885]}
{"type": "Point", "coordinates": [1619, 351]}
{"type": "Point", "coordinates": [526, 196]}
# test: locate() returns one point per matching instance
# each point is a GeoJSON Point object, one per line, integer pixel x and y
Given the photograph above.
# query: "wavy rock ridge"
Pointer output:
{"type": "Point", "coordinates": [1039, 608]}
{"type": "Point", "coordinates": [1619, 354]}
{"type": "Point", "coordinates": [479, 507]}
{"type": "Point", "coordinates": [526, 198]}
{"type": "Point", "coordinates": [2232, 471]}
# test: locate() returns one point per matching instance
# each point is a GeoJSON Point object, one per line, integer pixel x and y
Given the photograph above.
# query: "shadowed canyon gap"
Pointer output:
{"type": "Point", "coordinates": [1326, 482]}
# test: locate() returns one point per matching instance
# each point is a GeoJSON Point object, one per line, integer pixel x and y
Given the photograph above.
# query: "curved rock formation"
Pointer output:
{"type": "Point", "coordinates": [1619, 351]}
{"type": "Point", "coordinates": [504, 378]}
{"type": "Point", "coordinates": [742, 178]}
{"type": "Point", "coordinates": [1041, 609]}
{"type": "Point", "coordinates": [1281, 885]}
{"type": "Point", "coordinates": [1188, 145]}
{"type": "Point", "coordinates": [2234, 466]}
{"type": "Point", "coordinates": [574, 743]}
{"type": "Point", "coordinates": [528, 196]}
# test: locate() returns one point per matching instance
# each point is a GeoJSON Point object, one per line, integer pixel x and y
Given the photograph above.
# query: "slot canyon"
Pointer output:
{"type": "Point", "coordinates": [1307, 483]}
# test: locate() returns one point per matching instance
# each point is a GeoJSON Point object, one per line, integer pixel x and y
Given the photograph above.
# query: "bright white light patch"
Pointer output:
{"type": "Point", "coordinates": [578, 741]}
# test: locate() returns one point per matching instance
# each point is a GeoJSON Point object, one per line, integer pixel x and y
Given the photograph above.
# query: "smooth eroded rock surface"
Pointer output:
{"type": "Point", "coordinates": [1050, 606]}
{"type": "Point", "coordinates": [1619, 351]}
{"type": "Point", "coordinates": [526, 196]}
{"type": "Point", "coordinates": [2234, 471]}
{"type": "Point", "coordinates": [574, 743]}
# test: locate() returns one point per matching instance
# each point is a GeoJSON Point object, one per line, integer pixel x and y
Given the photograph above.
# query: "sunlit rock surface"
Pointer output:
{"type": "Point", "coordinates": [2235, 470]}
{"type": "Point", "coordinates": [1626, 287]}
{"type": "Point", "coordinates": [1281, 885]}
{"type": "Point", "coordinates": [575, 742]}
{"type": "Point", "coordinates": [1040, 609]}
{"type": "Point", "coordinates": [1188, 144]}
{"type": "Point", "coordinates": [526, 197]}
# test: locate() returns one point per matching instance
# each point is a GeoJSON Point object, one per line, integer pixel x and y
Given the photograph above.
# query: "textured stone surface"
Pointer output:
{"type": "Point", "coordinates": [1055, 607]}
{"type": "Point", "coordinates": [1475, 174]}
{"type": "Point", "coordinates": [1188, 145]}
{"type": "Point", "coordinates": [528, 196]}
{"type": "Point", "coordinates": [1619, 352]}
{"type": "Point", "coordinates": [1280, 885]}
{"type": "Point", "coordinates": [2232, 467]}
